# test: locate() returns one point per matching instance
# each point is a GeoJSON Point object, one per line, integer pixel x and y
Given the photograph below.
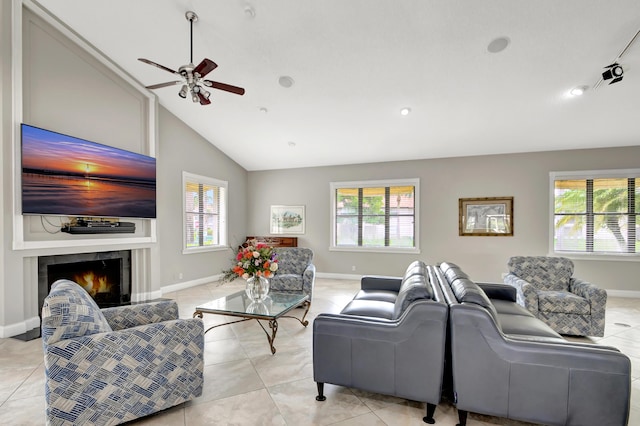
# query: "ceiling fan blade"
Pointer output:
{"type": "Point", "coordinates": [169, 83]}
{"type": "Point", "coordinates": [162, 67]}
{"type": "Point", "coordinates": [225, 87]}
{"type": "Point", "coordinates": [203, 99]}
{"type": "Point", "coordinates": [205, 67]}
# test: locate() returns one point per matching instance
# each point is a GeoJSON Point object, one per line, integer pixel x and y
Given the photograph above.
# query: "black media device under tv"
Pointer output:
{"type": "Point", "coordinates": [67, 176]}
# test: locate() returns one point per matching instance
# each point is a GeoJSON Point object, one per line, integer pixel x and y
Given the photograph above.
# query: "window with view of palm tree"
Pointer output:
{"type": "Point", "coordinates": [599, 215]}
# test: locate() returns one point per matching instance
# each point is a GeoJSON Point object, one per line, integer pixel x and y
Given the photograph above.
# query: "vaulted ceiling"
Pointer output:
{"type": "Point", "coordinates": [355, 64]}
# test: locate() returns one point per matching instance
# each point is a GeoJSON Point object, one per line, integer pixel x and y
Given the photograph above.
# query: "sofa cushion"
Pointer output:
{"type": "Point", "coordinates": [417, 267]}
{"type": "Point", "coordinates": [466, 291]}
{"type": "Point", "coordinates": [287, 282]}
{"type": "Point", "coordinates": [69, 311]}
{"type": "Point", "coordinates": [293, 260]}
{"type": "Point", "coordinates": [511, 308]}
{"type": "Point", "coordinates": [369, 308]}
{"type": "Point", "coordinates": [544, 273]}
{"type": "Point", "coordinates": [525, 325]}
{"type": "Point", "coordinates": [413, 288]}
{"type": "Point", "coordinates": [563, 302]}
{"type": "Point", "coordinates": [374, 294]}
{"type": "Point", "coordinates": [452, 271]}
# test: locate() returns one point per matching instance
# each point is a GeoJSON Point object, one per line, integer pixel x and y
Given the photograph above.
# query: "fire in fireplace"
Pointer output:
{"type": "Point", "coordinates": [101, 279]}
{"type": "Point", "coordinates": [106, 276]}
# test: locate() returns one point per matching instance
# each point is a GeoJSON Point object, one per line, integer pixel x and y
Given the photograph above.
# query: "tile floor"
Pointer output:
{"type": "Point", "coordinates": [246, 385]}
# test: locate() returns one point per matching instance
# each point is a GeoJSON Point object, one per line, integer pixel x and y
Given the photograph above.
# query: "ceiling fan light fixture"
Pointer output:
{"type": "Point", "coordinates": [183, 92]}
{"type": "Point", "coordinates": [193, 76]}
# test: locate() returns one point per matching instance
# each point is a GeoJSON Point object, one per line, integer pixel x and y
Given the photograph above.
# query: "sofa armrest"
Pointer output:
{"type": "Point", "coordinates": [595, 295]}
{"type": "Point", "coordinates": [122, 317]}
{"type": "Point", "coordinates": [501, 375]}
{"type": "Point", "coordinates": [138, 370]}
{"type": "Point", "coordinates": [527, 295]}
{"type": "Point", "coordinates": [402, 357]}
{"type": "Point", "coordinates": [499, 291]}
{"type": "Point", "coordinates": [379, 282]}
{"type": "Point", "coordinates": [308, 279]}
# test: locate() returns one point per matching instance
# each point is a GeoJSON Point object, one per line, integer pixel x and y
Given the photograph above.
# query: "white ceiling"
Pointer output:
{"type": "Point", "coordinates": [356, 63]}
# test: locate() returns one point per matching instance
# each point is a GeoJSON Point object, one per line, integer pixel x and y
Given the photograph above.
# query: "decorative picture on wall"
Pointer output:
{"type": "Point", "coordinates": [491, 216]}
{"type": "Point", "coordinates": [287, 219]}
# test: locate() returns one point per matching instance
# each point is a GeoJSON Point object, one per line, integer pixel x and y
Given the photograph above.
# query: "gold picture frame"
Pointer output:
{"type": "Point", "coordinates": [488, 217]}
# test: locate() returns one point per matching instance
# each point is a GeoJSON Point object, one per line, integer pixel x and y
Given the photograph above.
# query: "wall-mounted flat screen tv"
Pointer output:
{"type": "Point", "coordinates": [67, 176]}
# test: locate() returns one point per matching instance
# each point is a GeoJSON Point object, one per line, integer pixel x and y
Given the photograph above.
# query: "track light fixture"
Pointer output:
{"type": "Point", "coordinates": [613, 71]}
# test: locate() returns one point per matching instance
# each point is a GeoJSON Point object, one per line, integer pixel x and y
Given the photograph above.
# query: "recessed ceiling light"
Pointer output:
{"type": "Point", "coordinates": [578, 90]}
{"type": "Point", "coordinates": [498, 44]}
{"type": "Point", "coordinates": [264, 110]}
{"type": "Point", "coordinates": [285, 81]}
{"type": "Point", "coordinates": [291, 144]}
{"type": "Point", "coordinates": [405, 111]}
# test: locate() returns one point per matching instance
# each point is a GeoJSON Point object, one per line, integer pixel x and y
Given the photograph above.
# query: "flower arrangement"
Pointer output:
{"type": "Point", "coordinates": [253, 259]}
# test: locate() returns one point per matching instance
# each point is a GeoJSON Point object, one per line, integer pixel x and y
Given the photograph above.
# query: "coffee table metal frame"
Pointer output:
{"type": "Point", "coordinates": [219, 306]}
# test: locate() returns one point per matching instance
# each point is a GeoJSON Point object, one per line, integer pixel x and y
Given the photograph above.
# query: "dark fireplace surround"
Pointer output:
{"type": "Point", "coordinates": [105, 275]}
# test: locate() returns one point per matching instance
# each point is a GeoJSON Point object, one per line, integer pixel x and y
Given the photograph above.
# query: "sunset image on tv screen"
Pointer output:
{"type": "Point", "coordinates": [64, 175]}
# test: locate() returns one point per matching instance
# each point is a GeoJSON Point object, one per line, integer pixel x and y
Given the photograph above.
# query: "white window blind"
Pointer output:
{"type": "Point", "coordinates": [597, 214]}
{"type": "Point", "coordinates": [205, 212]}
{"type": "Point", "coordinates": [378, 215]}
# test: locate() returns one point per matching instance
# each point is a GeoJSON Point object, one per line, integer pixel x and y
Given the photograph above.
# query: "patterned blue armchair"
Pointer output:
{"type": "Point", "coordinates": [296, 272]}
{"type": "Point", "coordinates": [545, 287]}
{"type": "Point", "coordinates": [114, 365]}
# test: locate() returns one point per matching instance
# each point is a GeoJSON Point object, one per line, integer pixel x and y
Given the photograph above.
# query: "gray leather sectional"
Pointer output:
{"type": "Point", "coordinates": [505, 362]}
{"type": "Point", "coordinates": [389, 339]}
{"type": "Point", "coordinates": [435, 333]}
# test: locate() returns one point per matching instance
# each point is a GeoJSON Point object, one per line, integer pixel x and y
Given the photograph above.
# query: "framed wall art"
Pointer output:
{"type": "Point", "coordinates": [490, 216]}
{"type": "Point", "coordinates": [287, 219]}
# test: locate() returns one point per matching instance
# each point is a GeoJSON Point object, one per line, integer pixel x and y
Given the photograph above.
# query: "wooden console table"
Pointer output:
{"type": "Point", "coordinates": [277, 241]}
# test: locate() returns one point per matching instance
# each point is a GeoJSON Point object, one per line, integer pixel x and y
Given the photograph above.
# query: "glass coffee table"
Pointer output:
{"type": "Point", "coordinates": [275, 306]}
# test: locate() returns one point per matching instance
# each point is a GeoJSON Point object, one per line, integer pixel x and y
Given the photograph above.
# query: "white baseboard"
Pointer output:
{"type": "Point", "coordinates": [332, 276]}
{"type": "Point", "coordinates": [630, 294]}
{"type": "Point", "coordinates": [188, 284]}
{"type": "Point", "coordinates": [20, 327]}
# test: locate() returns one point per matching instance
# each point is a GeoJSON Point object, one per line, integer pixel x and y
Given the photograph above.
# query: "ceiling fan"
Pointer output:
{"type": "Point", "coordinates": [192, 77]}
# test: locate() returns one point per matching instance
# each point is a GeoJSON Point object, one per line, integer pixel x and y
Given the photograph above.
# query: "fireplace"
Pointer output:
{"type": "Point", "coordinates": [105, 275]}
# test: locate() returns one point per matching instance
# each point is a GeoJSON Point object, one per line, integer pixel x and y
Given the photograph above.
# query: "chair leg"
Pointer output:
{"type": "Point", "coordinates": [320, 396]}
{"type": "Point", "coordinates": [462, 416]}
{"type": "Point", "coordinates": [431, 408]}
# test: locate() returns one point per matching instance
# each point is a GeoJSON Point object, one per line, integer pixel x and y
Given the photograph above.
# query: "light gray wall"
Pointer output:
{"type": "Point", "coordinates": [5, 147]}
{"type": "Point", "coordinates": [181, 149]}
{"type": "Point", "coordinates": [442, 183]}
{"type": "Point", "coordinates": [112, 112]}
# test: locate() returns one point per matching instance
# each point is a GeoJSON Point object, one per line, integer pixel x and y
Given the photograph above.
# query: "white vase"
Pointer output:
{"type": "Point", "coordinates": [257, 288]}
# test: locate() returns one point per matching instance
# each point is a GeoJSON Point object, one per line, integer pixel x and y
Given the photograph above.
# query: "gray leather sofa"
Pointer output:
{"type": "Point", "coordinates": [389, 339]}
{"type": "Point", "coordinates": [507, 363]}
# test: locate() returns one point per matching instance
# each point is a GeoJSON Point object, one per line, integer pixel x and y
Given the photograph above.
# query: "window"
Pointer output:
{"type": "Point", "coordinates": [596, 212]}
{"type": "Point", "coordinates": [205, 213]}
{"type": "Point", "coordinates": [375, 215]}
